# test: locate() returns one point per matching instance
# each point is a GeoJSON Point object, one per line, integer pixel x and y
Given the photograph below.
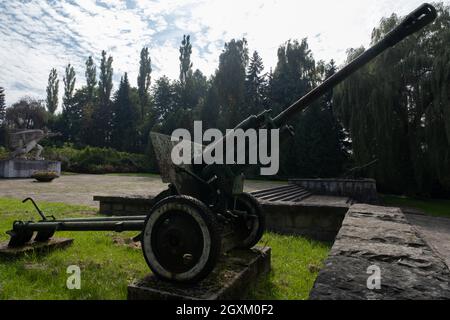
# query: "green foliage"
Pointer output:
{"type": "Point", "coordinates": [318, 149]}
{"type": "Point", "coordinates": [2, 105]}
{"type": "Point", "coordinates": [52, 91]}
{"type": "Point", "coordinates": [27, 113]}
{"type": "Point", "coordinates": [254, 84]}
{"type": "Point", "coordinates": [144, 79]}
{"type": "Point", "coordinates": [3, 152]}
{"type": "Point", "coordinates": [97, 160]}
{"type": "Point", "coordinates": [230, 81]}
{"type": "Point", "coordinates": [102, 111]}
{"type": "Point", "coordinates": [69, 86]}
{"type": "Point", "coordinates": [91, 78]}
{"type": "Point", "coordinates": [163, 99]}
{"type": "Point", "coordinates": [125, 117]}
{"type": "Point", "coordinates": [185, 59]}
{"type": "Point", "coordinates": [433, 207]}
{"type": "Point", "coordinates": [397, 110]}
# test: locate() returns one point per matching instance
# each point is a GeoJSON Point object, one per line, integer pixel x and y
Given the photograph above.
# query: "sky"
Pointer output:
{"type": "Point", "coordinates": [36, 36]}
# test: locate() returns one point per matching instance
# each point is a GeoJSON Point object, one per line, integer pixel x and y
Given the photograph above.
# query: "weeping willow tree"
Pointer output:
{"type": "Point", "coordinates": [397, 109]}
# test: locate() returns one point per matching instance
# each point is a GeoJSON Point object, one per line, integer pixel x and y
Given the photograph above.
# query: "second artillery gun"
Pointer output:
{"type": "Point", "coordinates": [205, 211]}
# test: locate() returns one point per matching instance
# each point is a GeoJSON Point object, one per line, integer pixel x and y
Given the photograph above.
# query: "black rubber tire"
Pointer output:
{"type": "Point", "coordinates": [162, 195]}
{"type": "Point", "coordinates": [252, 207]}
{"type": "Point", "coordinates": [208, 259]}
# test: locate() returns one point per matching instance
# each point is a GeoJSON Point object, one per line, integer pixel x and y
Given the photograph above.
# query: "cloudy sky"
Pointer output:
{"type": "Point", "coordinates": [38, 35]}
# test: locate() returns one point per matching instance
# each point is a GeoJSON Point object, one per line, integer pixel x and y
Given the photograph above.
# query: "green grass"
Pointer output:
{"type": "Point", "coordinates": [295, 264]}
{"type": "Point", "coordinates": [107, 267]}
{"type": "Point", "coordinates": [433, 207]}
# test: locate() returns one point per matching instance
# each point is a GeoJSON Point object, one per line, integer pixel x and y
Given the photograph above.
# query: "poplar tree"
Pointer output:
{"type": "Point", "coordinates": [52, 91]}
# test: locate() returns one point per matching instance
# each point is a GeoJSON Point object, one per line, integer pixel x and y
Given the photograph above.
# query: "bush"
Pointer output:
{"type": "Point", "coordinates": [97, 160]}
{"type": "Point", "coordinates": [3, 153]}
{"type": "Point", "coordinates": [45, 176]}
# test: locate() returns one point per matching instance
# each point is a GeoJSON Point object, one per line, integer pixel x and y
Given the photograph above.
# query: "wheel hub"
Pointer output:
{"type": "Point", "coordinates": [177, 241]}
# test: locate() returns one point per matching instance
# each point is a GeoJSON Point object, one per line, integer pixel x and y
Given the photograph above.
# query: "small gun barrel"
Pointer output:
{"type": "Point", "coordinates": [414, 22]}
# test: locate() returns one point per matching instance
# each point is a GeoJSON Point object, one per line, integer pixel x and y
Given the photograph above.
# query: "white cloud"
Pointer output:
{"type": "Point", "coordinates": [38, 35]}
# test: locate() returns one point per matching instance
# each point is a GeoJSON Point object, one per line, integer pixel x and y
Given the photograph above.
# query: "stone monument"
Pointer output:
{"type": "Point", "coordinates": [21, 162]}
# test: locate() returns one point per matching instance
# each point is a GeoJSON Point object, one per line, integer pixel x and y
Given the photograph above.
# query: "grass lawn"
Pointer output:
{"type": "Point", "coordinates": [434, 207]}
{"type": "Point", "coordinates": [108, 264]}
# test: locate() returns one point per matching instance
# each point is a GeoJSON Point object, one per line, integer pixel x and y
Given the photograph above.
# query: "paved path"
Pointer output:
{"type": "Point", "coordinates": [80, 188]}
{"type": "Point", "coordinates": [435, 231]}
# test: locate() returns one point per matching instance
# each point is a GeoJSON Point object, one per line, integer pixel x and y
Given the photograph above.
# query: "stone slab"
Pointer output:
{"type": "Point", "coordinates": [22, 168]}
{"type": "Point", "coordinates": [34, 247]}
{"type": "Point", "coordinates": [235, 273]}
{"type": "Point", "coordinates": [381, 237]}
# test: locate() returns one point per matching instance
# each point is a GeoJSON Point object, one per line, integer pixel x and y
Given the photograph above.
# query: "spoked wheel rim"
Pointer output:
{"type": "Point", "coordinates": [178, 241]}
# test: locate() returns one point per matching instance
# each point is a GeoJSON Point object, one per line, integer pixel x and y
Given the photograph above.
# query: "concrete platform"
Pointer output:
{"type": "Point", "coordinates": [22, 168]}
{"type": "Point", "coordinates": [234, 275]}
{"type": "Point", "coordinates": [33, 247]}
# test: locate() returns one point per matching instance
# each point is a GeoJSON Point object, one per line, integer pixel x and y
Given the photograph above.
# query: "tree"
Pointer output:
{"type": "Point", "coordinates": [69, 85]}
{"type": "Point", "coordinates": [72, 109]}
{"type": "Point", "coordinates": [91, 78]}
{"type": "Point", "coordinates": [318, 149]}
{"type": "Point", "coordinates": [105, 81]}
{"type": "Point", "coordinates": [125, 118]}
{"type": "Point", "coordinates": [27, 113]}
{"type": "Point", "coordinates": [210, 111]}
{"type": "Point", "coordinates": [52, 91]}
{"type": "Point", "coordinates": [85, 100]}
{"type": "Point", "coordinates": [163, 99]}
{"type": "Point", "coordinates": [185, 59]}
{"type": "Point", "coordinates": [397, 110]}
{"type": "Point", "coordinates": [254, 83]}
{"type": "Point", "coordinates": [102, 112]}
{"type": "Point", "coordinates": [230, 81]}
{"type": "Point", "coordinates": [294, 74]}
{"type": "Point", "coordinates": [144, 79]}
{"type": "Point", "coordinates": [2, 105]}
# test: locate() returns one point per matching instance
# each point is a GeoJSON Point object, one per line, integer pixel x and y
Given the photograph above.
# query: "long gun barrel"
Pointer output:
{"type": "Point", "coordinates": [415, 21]}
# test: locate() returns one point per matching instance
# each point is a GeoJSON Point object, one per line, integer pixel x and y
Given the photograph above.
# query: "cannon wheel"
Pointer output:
{"type": "Point", "coordinates": [252, 228]}
{"type": "Point", "coordinates": [163, 194]}
{"type": "Point", "coordinates": [181, 239]}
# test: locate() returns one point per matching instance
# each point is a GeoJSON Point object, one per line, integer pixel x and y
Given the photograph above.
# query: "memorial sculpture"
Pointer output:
{"type": "Point", "coordinates": [205, 211]}
{"type": "Point", "coordinates": [24, 158]}
{"type": "Point", "coordinates": [22, 142]}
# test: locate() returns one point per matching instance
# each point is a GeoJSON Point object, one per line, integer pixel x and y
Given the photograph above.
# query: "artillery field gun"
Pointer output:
{"type": "Point", "coordinates": [205, 212]}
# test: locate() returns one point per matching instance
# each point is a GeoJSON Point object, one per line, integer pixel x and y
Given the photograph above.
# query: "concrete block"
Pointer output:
{"type": "Point", "coordinates": [33, 247]}
{"type": "Point", "coordinates": [22, 168]}
{"type": "Point", "coordinates": [237, 272]}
